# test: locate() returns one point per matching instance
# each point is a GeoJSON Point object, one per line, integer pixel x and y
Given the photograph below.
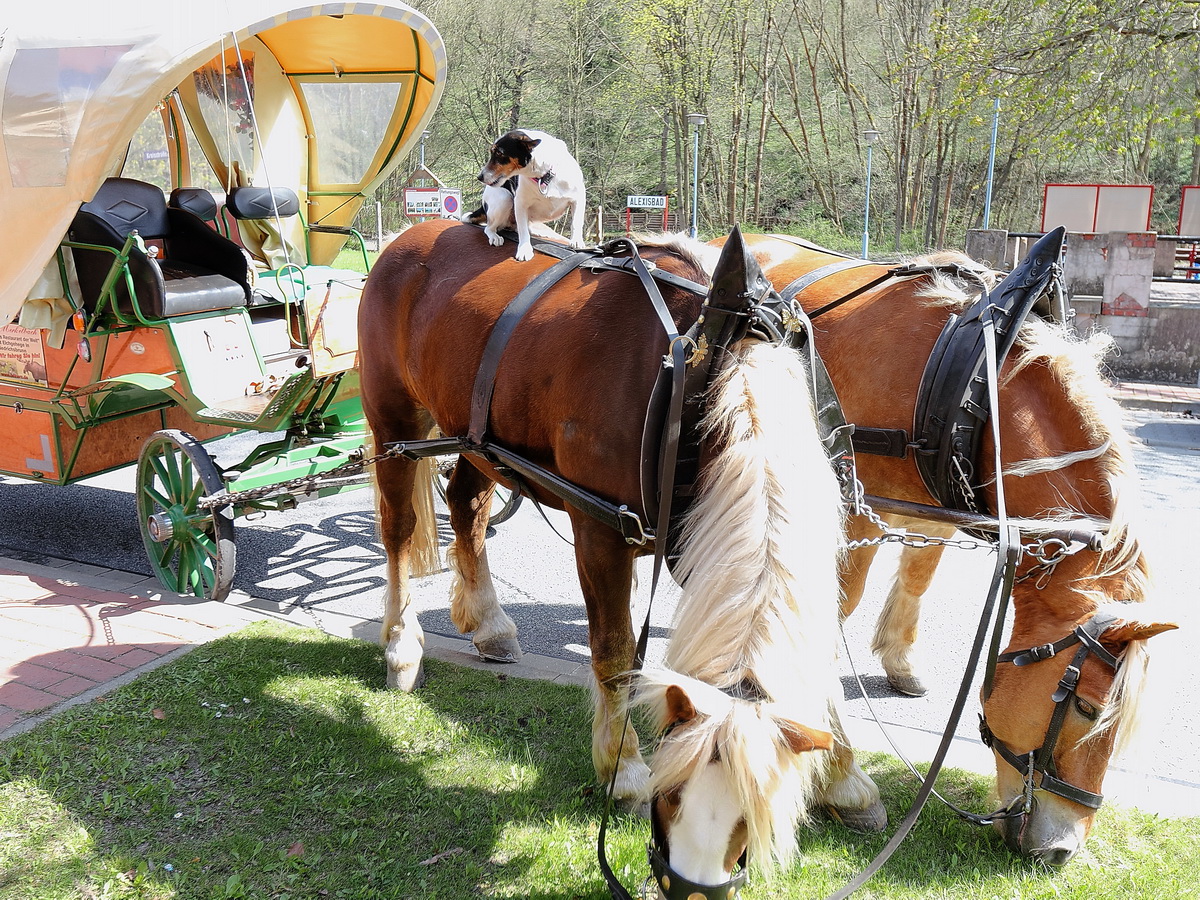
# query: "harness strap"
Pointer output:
{"type": "Point", "coordinates": [1041, 760]}
{"type": "Point", "coordinates": [1008, 555]}
{"type": "Point", "coordinates": [809, 245]}
{"type": "Point", "coordinates": [485, 378]}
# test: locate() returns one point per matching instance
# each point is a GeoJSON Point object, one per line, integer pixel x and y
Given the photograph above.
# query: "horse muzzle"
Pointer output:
{"type": "Point", "coordinates": [670, 885]}
{"type": "Point", "coordinates": [1030, 835]}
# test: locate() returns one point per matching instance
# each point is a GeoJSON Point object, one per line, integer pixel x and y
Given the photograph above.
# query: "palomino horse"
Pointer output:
{"type": "Point", "coordinates": [1065, 454]}
{"type": "Point", "coordinates": [754, 646]}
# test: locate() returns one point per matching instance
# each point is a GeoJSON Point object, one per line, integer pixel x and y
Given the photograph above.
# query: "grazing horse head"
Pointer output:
{"type": "Point", "coordinates": [752, 656]}
{"type": "Point", "coordinates": [568, 404]}
{"type": "Point", "coordinates": [1065, 454]}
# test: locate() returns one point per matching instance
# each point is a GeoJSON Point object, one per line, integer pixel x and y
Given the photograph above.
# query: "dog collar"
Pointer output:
{"type": "Point", "coordinates": [543, 181]}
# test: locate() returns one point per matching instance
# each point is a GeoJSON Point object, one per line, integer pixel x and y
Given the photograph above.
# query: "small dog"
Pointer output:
{"type": "Point", "coordinates": [530, 177]}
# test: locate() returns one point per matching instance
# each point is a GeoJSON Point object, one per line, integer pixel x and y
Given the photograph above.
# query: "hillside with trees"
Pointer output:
{"type": "Point", "coordinates": [1088, 92]}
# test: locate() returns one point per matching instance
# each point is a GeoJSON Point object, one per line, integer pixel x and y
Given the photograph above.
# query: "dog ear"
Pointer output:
{"type": "Point", "coordinates": [529, 142]}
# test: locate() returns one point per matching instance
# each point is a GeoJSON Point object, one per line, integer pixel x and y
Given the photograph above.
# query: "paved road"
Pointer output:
{"type": "Point", "coordinates": [324, 559]}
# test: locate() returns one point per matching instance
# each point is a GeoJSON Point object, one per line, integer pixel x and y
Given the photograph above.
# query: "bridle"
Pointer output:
{"type": "Point", "coordinates": [1041, 761]}
{"type": "Point", "coordinates": [673, 886]}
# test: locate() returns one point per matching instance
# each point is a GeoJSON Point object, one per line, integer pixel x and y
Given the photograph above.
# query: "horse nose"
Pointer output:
{"type": "Point", "coordinates": [1053, 856]}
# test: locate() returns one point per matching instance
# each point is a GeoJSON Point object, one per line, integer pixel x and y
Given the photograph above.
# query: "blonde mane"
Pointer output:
{"type": "Point", "coordinates": [759, 603]}
{"type": "Point", "coordinates": [1077, 366]}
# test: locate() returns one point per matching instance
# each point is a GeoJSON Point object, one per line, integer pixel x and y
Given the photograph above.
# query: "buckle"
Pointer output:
{"type": "Point", "coordinates": [1067, 685]}
{"type": "Point", "coordinates": [631, 527]}
{"type": "Point", "coordinates": [1034, 654]}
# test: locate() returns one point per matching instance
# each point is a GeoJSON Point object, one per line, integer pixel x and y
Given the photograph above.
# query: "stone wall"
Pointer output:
{"type": "Point", "coordinates": [1109, 284]}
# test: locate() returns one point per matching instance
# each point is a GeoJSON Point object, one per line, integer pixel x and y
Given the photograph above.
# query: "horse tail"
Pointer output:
{"type": "Point", "coordinates": [424, 558]}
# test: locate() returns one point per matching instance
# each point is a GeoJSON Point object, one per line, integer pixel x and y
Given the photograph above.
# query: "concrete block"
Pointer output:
{"type": "Point", "coordinates": [1164, 258]}
{"type": "Point", "coordinates": [1085, 263]}
{"type": "Point", "coordinates": [1129, 272]}
{"type": "Point", "coordinates": [989, 246]}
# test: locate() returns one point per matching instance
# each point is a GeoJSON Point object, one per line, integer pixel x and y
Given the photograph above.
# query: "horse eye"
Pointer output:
{"type": "Point", "coordinates": [1085, 709]}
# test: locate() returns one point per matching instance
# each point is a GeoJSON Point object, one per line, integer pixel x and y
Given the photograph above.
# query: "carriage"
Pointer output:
{"type": "Point", "coordinates": [176, 188]}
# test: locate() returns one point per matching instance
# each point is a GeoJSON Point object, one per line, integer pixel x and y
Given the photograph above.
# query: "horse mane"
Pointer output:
{"type": "Point", "coordinates": [758, 611]}
{"type": "Point", "coordinates": [678, 243]}
{"type": "Point", "coordinates": [1077, 366]}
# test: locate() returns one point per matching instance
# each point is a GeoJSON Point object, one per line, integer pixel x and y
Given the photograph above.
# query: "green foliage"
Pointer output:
{"type": "Point", "coordinates": [1089, 92]}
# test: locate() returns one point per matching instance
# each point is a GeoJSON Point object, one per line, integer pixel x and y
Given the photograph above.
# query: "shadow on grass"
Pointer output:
{"type": "Point", "coordinates": [274, 763]}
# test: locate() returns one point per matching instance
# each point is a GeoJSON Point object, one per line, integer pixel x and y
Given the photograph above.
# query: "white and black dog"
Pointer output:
{"type": "Point", "coordinates": [530, 177]}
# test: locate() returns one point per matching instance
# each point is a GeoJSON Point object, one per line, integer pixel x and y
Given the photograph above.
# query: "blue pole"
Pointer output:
{"type": "Point", "coordinates": [695, 175]}
{"type": "Point", "coordinates": [987, 194]}
{"type": "Point", "coordinates": [867, 204]}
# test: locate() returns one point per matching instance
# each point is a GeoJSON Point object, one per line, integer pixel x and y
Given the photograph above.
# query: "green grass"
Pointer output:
{"type": "Point", "coordinates": [351, 258]}
{"type": "Point", "coordinates": [274, 764]}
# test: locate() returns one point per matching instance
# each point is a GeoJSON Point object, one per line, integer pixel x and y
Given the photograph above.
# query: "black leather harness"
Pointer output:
{"type": "Point", "coordinates": [1041, 761]}
{"type": "Point", "coordinates": [952, 406]}
{"type": "Point", "coordinates": [952, 402]}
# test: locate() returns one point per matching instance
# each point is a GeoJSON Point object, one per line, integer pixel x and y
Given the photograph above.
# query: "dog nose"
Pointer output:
{"type": "Point", "coordinates": [479, 177]}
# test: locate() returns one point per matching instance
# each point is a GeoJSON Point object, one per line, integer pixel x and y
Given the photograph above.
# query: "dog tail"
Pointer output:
{"type": "Point", "coordinates": [478, 217]}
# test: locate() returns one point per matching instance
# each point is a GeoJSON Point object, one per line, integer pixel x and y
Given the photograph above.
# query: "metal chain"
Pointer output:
{"type": "Point", "coordinates": [304, 484]}
{"type": "Point", "coordinates": [891, 535]}
{"type": "Point", "coordinates": [1047, 552]}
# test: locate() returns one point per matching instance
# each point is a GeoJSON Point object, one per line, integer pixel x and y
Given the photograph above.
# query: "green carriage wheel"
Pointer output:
{"type": "Point", "coordinates": [191, 550]}
{"type": "Point", "coordinates": [504, 501]}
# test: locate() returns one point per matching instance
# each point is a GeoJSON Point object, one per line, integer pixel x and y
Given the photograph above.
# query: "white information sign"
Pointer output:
{"type": "Point", "coordinates": [645, 201]}
{"type": "Point", "coordinates": [443, 202]}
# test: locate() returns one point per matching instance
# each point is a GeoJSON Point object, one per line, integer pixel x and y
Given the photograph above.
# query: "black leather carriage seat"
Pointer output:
{"type": "Point", "coordinates": [262, 203]}
{"type": "Point", "coordinates": [200, 270]}
{"type": "Point", "coordinates": [199, 202]}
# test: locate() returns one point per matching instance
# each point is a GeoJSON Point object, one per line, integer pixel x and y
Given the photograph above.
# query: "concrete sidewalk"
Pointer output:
{"type": "Point", "coordinates": [71, 632]}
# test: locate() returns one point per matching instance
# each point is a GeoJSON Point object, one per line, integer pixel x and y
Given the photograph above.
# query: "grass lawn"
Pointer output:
{"type": "Point", "coordinates": [275, 764]}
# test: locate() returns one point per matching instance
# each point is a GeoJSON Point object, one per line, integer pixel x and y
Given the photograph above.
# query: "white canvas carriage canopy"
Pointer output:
{"type": "Point", "coordinates": [324, 98]}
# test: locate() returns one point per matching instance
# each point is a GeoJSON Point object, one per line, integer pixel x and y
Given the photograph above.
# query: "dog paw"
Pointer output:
{"type": "Point", "coordinates": [494, 239]}
{"type": "Point", "coordinates": [524, 252]}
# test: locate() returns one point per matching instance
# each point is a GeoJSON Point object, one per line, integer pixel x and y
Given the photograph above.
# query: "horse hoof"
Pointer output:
{"type": "Point", "coordinates": [407, 679]}
{"type": "Point", "coordinates": [909, 685]}
{"type": "Point", "coordinates": [499, 650]}
{"type": "Point", "coordinates": [864, 821]}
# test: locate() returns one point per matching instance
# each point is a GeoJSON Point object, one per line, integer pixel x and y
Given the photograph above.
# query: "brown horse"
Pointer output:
{"type": "Point", "coordinates": [754, 646]}
{"type": "Point", "coordinates": [1064, 454]}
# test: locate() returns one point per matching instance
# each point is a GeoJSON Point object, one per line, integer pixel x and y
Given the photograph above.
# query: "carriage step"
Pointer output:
{"type": "Point", "coordinates": [233, 415]}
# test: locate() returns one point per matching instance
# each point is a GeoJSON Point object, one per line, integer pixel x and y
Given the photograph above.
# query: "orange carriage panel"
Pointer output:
{"type": "Point", "coordinates": [27, 445]}
{"type": "Point", "coordinates": [118, 442]}
{"type": "Point", "coordinates": [138, 350]}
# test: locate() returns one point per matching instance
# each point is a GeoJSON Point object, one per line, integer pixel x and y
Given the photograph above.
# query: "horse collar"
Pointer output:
{"type": "Point", "coordinates": [952, 401]}
{"type": "Point", "coordinates": [1087, 636]}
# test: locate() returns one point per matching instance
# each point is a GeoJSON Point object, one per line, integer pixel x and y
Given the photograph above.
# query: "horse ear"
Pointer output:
{"type": "Point", "coordinates": [679, 708]}
{"type": "Point", "coordinates": [801, 738]}
{"type": "Point", "coordinates": [1134, 630]}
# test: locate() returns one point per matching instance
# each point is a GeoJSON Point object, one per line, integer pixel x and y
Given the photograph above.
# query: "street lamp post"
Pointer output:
{"type": "Point", "coordinates": [696, 120]}
{"type": "Point", "coordinates": [987, 193]}
{"type": "Point", "coordinates": [870, 136]}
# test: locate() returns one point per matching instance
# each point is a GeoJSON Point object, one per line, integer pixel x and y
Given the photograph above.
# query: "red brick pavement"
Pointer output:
{"type": "Point", "coordinates": [67, 633]}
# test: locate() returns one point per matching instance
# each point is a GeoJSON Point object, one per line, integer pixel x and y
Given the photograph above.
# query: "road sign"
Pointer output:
{"type": "Point", "coordinates": [422, 203]}
{"type": "Point", "coordinates": [645, 201]}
